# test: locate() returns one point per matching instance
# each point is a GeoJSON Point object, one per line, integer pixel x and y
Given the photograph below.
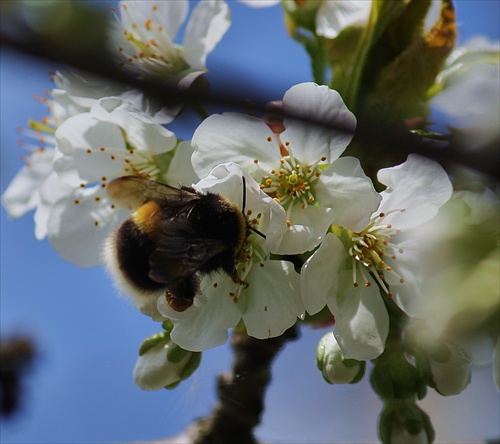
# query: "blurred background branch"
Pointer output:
{"type": "Point", "coordinates": [72, 34]}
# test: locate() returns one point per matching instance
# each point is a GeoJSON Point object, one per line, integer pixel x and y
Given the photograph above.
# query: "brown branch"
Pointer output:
{"type": "Point", "coordinates": [241, 392]}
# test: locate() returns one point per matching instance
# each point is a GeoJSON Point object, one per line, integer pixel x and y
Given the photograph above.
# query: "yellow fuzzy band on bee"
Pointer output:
{"type": "Point", "coordinates": [147, 216]}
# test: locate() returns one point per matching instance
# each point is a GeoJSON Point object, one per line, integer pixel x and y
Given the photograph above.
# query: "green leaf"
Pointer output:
{"type": "Point", "coordinates": [401, 89]}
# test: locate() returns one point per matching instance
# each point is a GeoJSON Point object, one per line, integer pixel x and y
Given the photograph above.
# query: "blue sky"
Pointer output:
{"type": "Point", "coordinates": [81, 389]}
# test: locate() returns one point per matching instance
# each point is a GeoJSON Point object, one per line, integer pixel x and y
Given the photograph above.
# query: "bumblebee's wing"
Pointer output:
{"type": "Point", "coordinates": [131, 192]}
{"type": "Point", "coordinates": [181, 252]}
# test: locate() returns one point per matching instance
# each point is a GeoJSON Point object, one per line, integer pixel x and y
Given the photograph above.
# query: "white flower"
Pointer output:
{"type": "Point", "coordinates": [270, 303]}
{"type": "Point", "coordinates": [114, 139]}
{"type": "Point", "coordinates": [469, 91]}
{"type": "Point", "coordinates": [299, 167]}
{"type": "Point", "coordinates": [146, 33]}
{"type": "Point", "coordinates": [345, 273]}
{"type": "Point", "coordinates": [37, 186]}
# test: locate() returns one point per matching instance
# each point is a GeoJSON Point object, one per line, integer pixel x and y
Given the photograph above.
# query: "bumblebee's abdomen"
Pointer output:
{"type": "Point", "coordinates": [133, 251]}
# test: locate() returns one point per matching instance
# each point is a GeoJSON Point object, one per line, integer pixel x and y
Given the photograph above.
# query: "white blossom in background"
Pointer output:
{"type": "Point", "coordinates": [332, 16]}
{"type": "Point", "coordinates": [346, 271]}
{"type": "Point", "coordinates": [460, 295]}
{"type": "Point", "coordinates": [145, 32]}
{"type": "Point", "coordinates": [468, 91]}
{"type": "Point", "coordinates": [270, 303]}
{"type": "Point", "coordinates": [300, 167]}
{"type": "Point", "coordinates": [36, 186]}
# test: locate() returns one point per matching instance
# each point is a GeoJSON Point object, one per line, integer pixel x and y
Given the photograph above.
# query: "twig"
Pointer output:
{"type": "Point", "coordinates": [241, 392]}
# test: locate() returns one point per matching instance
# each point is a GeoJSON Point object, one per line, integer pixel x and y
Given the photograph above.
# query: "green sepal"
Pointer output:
{"type": "Point", "coordinates": [167, 325]}
{"type": "Point", "coordinates": [191, 366]}
{"type": "Point", "coordinates": [393, 377]}
{"type": "Point", "coordinates": [361, 372]}
{"type": "Point", "coordinates": [153, 341]}
{"type": "Point", "coordinates": [172, 386]}
{"type": "Point", "coordinates": [176, 354]}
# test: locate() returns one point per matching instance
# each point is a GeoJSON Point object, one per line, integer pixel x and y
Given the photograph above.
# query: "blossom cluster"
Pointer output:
{"type": "Point", "coordinates": [323, 237]}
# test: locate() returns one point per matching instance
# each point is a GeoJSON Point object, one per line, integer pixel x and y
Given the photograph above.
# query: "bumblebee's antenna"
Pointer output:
{"type": "Point", "coordinates": [244, 194]}
{"type": "Point", "coordinates": [244, 205]}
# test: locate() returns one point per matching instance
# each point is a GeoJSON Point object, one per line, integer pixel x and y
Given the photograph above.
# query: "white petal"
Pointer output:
{"type": "Point", "coordinates": [52, 190]}
{"type": "Point", "coordinates": [180, 172]}
{"type": "Point", "coordinates": [273, 301]}
{"type": "Point", "coordinates": [407, 266]}
{"type": "Point", "coordinates": [309, 226]}
{"type": "Point", "coordinates": [142, 132]}
{"type": "Point", "coordinates": [349, 192]}
{"type": "Point", "coordinates": [316, 104]}
{"type": "Point", "coordinates": [79, 139]}
{"type": "Point", "coordinates": [208, 23]}
{"type": "Point", "coordinates": [318, 277]}
{"type": "Point", "coordinates": [78, 230]}
{"type": "Point", "coordinates": [204, 326]}
{"type": "Point", "coordinates": [361, 319]}
{"type": "Point", "coordinates": [335, 15]}
{"type": "Point", "coordinates": [420, 186]}
{"type": "Point", "coordinates": [237, 138]}
{"type": "Point", "coordinates": [21, 195]}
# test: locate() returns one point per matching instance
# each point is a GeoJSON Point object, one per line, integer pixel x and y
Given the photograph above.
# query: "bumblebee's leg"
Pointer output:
{"type": "Point", "coordinates": [180, 295]}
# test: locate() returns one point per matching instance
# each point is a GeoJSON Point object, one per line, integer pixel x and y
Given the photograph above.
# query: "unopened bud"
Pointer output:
{"type": "Point", "coordinates": [451, 376]}
{"type": "Point", "coordinates": [442, 363]}
{"type": "Point", "coordinates": [405, 422]}
{"type": "Point", "coordinates": [334, 367]}
{"type": "Point", "coordinates": [162, 363]}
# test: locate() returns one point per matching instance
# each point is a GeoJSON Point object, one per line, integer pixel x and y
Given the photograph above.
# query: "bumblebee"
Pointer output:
{"type": "Point", "coordinates": [174, 236]}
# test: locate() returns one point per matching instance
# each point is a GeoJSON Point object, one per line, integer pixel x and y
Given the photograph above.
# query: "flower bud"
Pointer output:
{"type": "Point", "coordinates": [442, 363]}
{"type": "Point", "coordinates": [162, 363]}
{"type": "Point", "coordinates": [452, 375]}
{"type": "Point", "coordinates": [334, 367]}
{"type": "Point", "coordinates": [405, 422]}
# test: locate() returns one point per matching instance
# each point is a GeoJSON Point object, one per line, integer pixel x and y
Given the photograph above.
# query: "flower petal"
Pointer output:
{"type": "Point", "coordinates": [361, 319]}
{"type": "Point", "coordinates": [309, 226]}
{"type": "Point", "coordinates": [305, 106]}
{"type": "Point", "coordinates": [21, 195]}
{"type": "Point", "coordinates": [204, 325]}
{"type": "Point", "coordinates": [318, 277]}
{"type": "Point", "coordinates": [335, 15]}
{"type": "Point", "coordinates": [237, 138]}
{"type": "Point", "coordinates": [208, 23]}
{"type": "Point", "coordinates": [273, 301]}
{"type": "Point", "coordinates": [349, 191]}
{"type": "Point", "coordinates": [418, 186]}
{"type": "Point", "coordinates": [79, 224]}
